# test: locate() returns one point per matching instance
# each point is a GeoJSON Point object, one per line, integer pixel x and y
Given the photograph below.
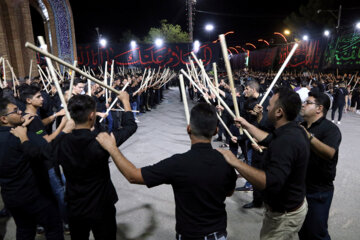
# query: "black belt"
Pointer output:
{"type": "Point", "coordinates": [284, 210]}
{"type": "Point", "coordinates": [211, 236]}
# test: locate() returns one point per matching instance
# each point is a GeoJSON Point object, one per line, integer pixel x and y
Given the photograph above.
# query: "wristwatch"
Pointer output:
{"type": "Point", "coordinates": [311, 136]}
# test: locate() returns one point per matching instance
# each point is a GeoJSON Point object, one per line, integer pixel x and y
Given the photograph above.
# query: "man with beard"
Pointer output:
{"type": "Point", "coordinates": [282, 179]}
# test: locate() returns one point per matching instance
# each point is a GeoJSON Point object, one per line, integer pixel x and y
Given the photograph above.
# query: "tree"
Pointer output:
{"type": "Point", "coordinates": [128, 36]}
{"type": "Point", "coordinates": [168, 32]}
{"type": "Point", "coordinates": [308, 20]}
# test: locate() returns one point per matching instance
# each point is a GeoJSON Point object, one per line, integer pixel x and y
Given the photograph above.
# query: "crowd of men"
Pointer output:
{"type": "Point", "coordinates": [57, 175]}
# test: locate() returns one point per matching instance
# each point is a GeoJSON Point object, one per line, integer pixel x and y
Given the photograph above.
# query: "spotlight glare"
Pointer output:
{"type": "Point", "coordinates": [133, 44]}
{"type": "Point", "coordinates": [209, 27]}
{"type": "Point", "coordinates": [305, 37]}
{"type": "Point", "coordinates": [358, 25]}
{"type": "Point", "coordinates": [103, 42]}
{"type": "Point", "coordinates": [196, 46]}
{"type": "Point", "coordinates": [327, 33]}
{"type": "Point", "coordinates": [287, 32]}
{"type": "Point", "coordinates": [159, 42]}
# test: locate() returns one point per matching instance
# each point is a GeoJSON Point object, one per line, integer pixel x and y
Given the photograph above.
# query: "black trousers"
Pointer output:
{"type": "Point", "coordinates": [103, 227]}
{"type": "Point", "coordinates": [41, 211]}
{"type": "Point", "coordinates": [258, 162]}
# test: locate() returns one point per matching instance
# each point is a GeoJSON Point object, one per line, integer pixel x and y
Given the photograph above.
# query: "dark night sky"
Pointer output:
{"type": "Point", "coordinates": [249, 19]}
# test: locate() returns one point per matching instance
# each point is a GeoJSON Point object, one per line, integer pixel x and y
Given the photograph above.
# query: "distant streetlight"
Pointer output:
{"type": "Point", "coordinates": [209, 27]}
{"type": "Point", "coordinates": [133, 44]}
{"type": "Point", "coordinates": [358, 25]}
{"type": "Point", "coordinates": [287, 32]}
{"type": "Point", "coordinates": [305, 37]}
{"type": "Point", "coordinates": [159, 42]}
{"type": "Point", "coordinates": [103, 42]}
{"type": "Point", "coordinates": [196, 46]}
{"type": "Point", "coordinates": [326, 33]}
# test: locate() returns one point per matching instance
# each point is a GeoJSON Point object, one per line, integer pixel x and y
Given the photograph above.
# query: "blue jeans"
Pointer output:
{"type": "Point", "coordinates": [134, 108]}
{"type": "Point", "coordinates": [316, 221]}
{"type": "Point", "coordinates": [59, 191]}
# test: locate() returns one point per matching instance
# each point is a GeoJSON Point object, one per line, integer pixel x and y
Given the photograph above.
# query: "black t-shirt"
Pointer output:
{"type": "Point", "coordinates": [339, 95]}
{"type": "Point", "coordinates": [89, 189]}
{"type": "Point", "coordinates": [18, 184]}
{"type": "Point", "coordinates": [36, 126]}
{"type": "Point", "coordinates": [201, 180]}
{"type": "Point", "coordinates": [321, 172]}
{"type": "Point", "coordinates": [285, 167]}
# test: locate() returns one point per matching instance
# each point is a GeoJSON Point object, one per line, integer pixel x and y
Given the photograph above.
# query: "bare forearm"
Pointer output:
{"type": "Point", "coordinates": [48, 120]}
{"type": "Point", "coordinates": [257, 133]}
{"type": "Point", "coordinates": [130, 172]}
{"type": "Point", "coordinates": [321, 149]}
{"type": "Point", "coordinates": [255, 176]}
{"type": "Point", "coordinates": [127, 106]}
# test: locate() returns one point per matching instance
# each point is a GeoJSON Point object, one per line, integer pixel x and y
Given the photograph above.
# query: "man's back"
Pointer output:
{"type": "Point", "coordinates": [201, 180]}
{"type": "Point", "coordinates": [85, 163]}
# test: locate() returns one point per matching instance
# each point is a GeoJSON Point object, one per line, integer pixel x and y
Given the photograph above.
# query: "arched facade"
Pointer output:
{"type": "Point", "coordinates": [16, 29]}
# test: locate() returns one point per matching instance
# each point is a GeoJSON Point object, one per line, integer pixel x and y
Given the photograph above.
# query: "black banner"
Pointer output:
{"type": "Point", "coordinates": [174, 56]}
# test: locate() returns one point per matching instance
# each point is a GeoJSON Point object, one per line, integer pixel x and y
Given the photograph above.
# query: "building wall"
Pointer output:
{"type": "Point", "coordinates": [16, 30]}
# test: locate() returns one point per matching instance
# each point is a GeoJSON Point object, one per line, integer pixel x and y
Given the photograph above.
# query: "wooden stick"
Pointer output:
{"type": "Point", "coordinates": [357, 80]}
{"type": "Point", "coordinates": [105, 82]}
{"type": "Point", "coordinates": [56, 59]}
{"type": "Point", "coordinates": [57, 85]}
{"type": "Point", "coordinates": [353, 78]}
{"type": "Point", "coordinates": [89, 87]}
{"type": "Point", "coordinates": [183, 93]}
{"type": "Point", "coordinates": [49, 75]}
{"type": "Point", "coordinates": [43, 82]}
{"type": "Point", "coordinates": [12, 75]}
{"type": "Point", "coordinates": [279, 73]}
{"type": "Point", "coordinates": [4, 70]}
{"type": "Point", "coordinates": [207, 100]}
{"type": "Point", "coordinates": [112, 73]}
{"type": "Point", "coordinates": [72, 80]}
{"type": "Point", "coordinates": [216, 81]}
{"type": "Point", "coordinates": [225, 106]}
{"type": "Point", "coordinates": [113, 103]}
{"type": "Point", "coordinates": [30, 69]}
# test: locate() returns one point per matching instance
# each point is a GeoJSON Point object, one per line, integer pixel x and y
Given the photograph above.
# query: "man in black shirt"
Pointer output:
{"type": "Point", "coordinates": [325, 138]}
{"type": "Point", "coordinates": [19, 187]}
{"type": "Point", "coordinates": [201, 179]}
{"type": "Point", "coordinates": [282, 179]}
{"type": "Point", "coordinates": [340, 101]}
{"type": "Point", "coordinates": [90, 194]}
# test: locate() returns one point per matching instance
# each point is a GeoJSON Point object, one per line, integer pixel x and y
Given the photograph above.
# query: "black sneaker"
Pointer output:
{"type": "Point", "coordinates": [218, 140]}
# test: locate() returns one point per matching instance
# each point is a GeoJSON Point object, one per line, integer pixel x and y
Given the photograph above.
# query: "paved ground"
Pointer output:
{"type": "Point", "coordinates": [150, 213]}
